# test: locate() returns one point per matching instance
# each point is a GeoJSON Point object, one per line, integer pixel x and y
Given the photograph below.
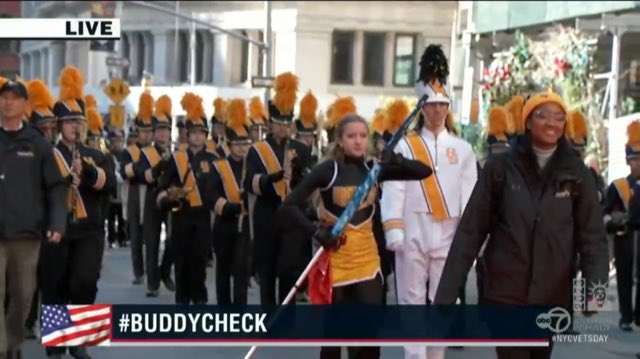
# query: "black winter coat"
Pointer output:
{"type": "Point", "coordinates": [538, 220]}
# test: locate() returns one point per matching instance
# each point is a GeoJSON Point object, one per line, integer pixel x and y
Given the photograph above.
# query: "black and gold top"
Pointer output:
{"type": "Point", "coordinates": [358, 259]}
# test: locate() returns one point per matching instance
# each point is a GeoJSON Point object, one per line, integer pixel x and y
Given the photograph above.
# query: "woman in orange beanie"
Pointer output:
{"type": "Point", "coordinates": [538, 205]}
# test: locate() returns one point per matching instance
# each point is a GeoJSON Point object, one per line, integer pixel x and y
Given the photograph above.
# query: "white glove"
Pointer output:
{"type": "Point", "coordinates": [395, 239]}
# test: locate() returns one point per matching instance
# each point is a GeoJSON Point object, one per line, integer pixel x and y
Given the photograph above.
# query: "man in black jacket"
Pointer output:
{"type": "Point", "coordinates": [538, 203]}
{"type": "Point", "coordinates": [31, 189]}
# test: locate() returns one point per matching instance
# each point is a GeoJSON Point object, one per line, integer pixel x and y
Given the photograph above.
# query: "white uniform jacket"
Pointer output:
{"type": "Point", "coordinates": [454, 176]}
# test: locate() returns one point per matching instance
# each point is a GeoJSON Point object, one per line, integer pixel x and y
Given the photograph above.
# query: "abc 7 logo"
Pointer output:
{"type": "Point", "coordinates": [556, 320]}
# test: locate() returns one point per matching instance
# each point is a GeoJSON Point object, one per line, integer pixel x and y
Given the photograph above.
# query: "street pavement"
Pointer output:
{"type": "Point", "coordinates": [115, 287]}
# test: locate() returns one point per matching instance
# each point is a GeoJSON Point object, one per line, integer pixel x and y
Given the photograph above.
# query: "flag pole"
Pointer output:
{"type": "Point", "coordinates": [348, 213]}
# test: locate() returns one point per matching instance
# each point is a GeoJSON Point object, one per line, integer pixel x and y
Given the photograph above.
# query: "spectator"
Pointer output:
{"type": "Point", "coordinates": [31, 189]}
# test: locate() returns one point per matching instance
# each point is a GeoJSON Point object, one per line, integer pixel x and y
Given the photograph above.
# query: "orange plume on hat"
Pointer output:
{"type": "Point", "coordinates": [145, 107]}
{"type": "Point", "coordinates": [379, 122]}
{"type": "Point", "coordinates": [633, 134]}
{"type": "Point", "coordinates": [308, 109]}
{"type": "Point", "coordinates": [341, 107]}
{"type": "Point", "coordinates": [39, 95]}
{"type": "Point", "coordinates": [257, 111]}
{"type": "Point", "coordinates": [397, 112]}
{"type": "Point", "coordinates": [576, 127]}
{"type": "Point", "coordinates": [94, 120]}
{"type": "Point", "coordinates": [192, 105]}
{"type": "Point", "coordinates": [163, 106]}
{"type": "Point", "coordinates": [71, 84]}
{"type": "Point", "coordinates": [3, 80]}
{"type": "Point", "coordinates": [90, 101]}
{"type": "Point", "coordinates": [515, 107]}
{"type": "Point", "coordinates": [475, 110]}
{"type": "Point", "coordinates": [498, 122]}
{"type": "Point", "coordinates": [219, 106]}
{"type": "Point", "coordinates": [285, 86]}
{"type": "Point", "coordinates": [237, 117]}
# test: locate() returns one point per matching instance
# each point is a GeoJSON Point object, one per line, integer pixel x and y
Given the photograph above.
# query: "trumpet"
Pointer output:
{"type": "Point", "coordinates": [74, 188]}
{"type": "Point", "coordinates": [289, 155]}
{"type": "Point", "coordinates": [178, 194]}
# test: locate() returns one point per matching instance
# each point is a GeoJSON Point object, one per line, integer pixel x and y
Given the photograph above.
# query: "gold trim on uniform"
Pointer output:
{"type": "Point", "coordinates": [219, 206]}
{"type": "Point", "coordinates": [393, 224]}
{"type": "Point", "coordinates": [100, 180]}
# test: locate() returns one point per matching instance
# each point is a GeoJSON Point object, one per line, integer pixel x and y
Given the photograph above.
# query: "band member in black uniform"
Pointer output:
{"type": "Point", "coordinates": [40, 101]}
{"type": "Point", "coordinates": [149, 169]}
{"type": "Point", "coordinates": [622, 213]}
{"type": "Point", "coordinates": [72, 267]}
{"type": "Point", "coordinates": [295, 241]}
{"type": "Point", "coordinates": [354, 265]}
{"type": "Point", "coordinates": [183, 143]}
{"type": "Point", "coordinates": [137, 187]}
{"type": "Point", "coordinates": [116, 226]}
{"type": "Point", "coordinates": [273, 168]}
{"type": "Point", "coordinates": [186, 188]}
{"type": "Point", "coordinates": [231, 229]}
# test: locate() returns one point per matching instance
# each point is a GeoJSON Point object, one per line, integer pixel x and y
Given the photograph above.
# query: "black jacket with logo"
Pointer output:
{"type": "Point", "coordinates": [31, 186]}
{"type": "Point", "coordinates": [537, 221]}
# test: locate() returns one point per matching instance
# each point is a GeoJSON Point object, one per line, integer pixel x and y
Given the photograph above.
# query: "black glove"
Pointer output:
{"type": "Point", "coordinates": [388, 157]}
{"type": "Point", "coordinates": [166, 204]}
{"type": "Point", "coordinates": [324, 237]}
{"type": "Point", "coordinates": [276, 176]}
{"type": "Point", "coordinates": [231, 209]}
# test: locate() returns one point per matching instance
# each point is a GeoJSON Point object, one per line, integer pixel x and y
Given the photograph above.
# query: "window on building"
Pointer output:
{"type": "Point", "coordinates": [199, 57]}
{"type": "Point", "coordinates": [373, 58]}
{"type": "Point", "coordinates": [6, 46]}
{"type": "Point", "coordinates": [244, 59]}
{"type": "Point", "coordinates": [342, 57]}
{"type": "Point", "coordinates": [404, 63]}
{"type": "Point", "coordinates": [261, 53]}
{"type": "Point", "coordinates": [124, 50]}
{"type": "Point", "coordinates": [183, 60]}
{"type": "Point", "coordinates": [141, 58]}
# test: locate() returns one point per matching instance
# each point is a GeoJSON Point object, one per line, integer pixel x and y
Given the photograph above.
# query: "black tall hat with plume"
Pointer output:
{"type": "Point", "coordinates": [434, 71]}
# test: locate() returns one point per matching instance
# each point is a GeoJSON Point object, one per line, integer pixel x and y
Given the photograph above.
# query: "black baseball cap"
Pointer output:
{"type": "Point", "coordinates": [16, 87]}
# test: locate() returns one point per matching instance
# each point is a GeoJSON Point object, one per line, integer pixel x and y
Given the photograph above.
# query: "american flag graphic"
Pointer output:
{"type": "Point", "coordinates": [71, 325]}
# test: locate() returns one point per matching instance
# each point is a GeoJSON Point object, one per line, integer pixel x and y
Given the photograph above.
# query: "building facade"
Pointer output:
{"type": "Point", "coordinates": [365, 50]}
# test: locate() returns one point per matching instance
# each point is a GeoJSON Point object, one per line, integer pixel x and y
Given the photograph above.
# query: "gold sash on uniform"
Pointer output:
{"type": "Point", "coordinates": [212, 147]}
{"type": "Point", "coordinates": [182, 163]}
{"type": "Point", "coordinates": [271, 163]}
{"type": "Point", "coordinates": [231, 187]}
{"type": "Point", "coordinates": [624, 191]}
{"type": "Point", "coordinates": [73, 196]}
{"type": "Point", "coordinates": [134, 152]}
{"type": "Point", "coordinates": [152, 155]}
{"type": "Point", "coordinates": [430, 185]}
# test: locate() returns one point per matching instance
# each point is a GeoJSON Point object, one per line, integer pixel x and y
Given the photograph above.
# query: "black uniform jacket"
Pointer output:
{"type": "Point", "coordinates": [97, 181]}
{"type": "Point", "coordinates": [537, 221]}
{"type": "Point", "coordinates": [229, 201]}
{"type": "Point", "coordinates": [31, 185]}
{"type": "Point", "coordinates": [200, 165]}
{"type": "Point", "coordinates": [338, 181]}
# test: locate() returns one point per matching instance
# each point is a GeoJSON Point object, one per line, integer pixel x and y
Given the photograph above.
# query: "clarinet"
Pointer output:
{"type": "Point", "coordinates": [74, 202]}
{"type": "Point", "coordinates": [243, 210]}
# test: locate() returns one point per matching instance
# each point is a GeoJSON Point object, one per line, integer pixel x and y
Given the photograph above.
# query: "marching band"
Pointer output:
{"type": "Point", "coordinates": [244, 190]}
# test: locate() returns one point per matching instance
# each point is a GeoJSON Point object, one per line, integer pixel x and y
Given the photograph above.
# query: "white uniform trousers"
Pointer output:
{"type": "Point", "coordinates": [421, 260]}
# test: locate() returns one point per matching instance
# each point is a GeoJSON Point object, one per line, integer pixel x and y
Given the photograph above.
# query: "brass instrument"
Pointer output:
{"type": "Point", "coordinates": [243, 210]}
{"type": "Point", "coordinates": [289, 155]}
{"type": "Point", "coordinates": [74, 202]}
